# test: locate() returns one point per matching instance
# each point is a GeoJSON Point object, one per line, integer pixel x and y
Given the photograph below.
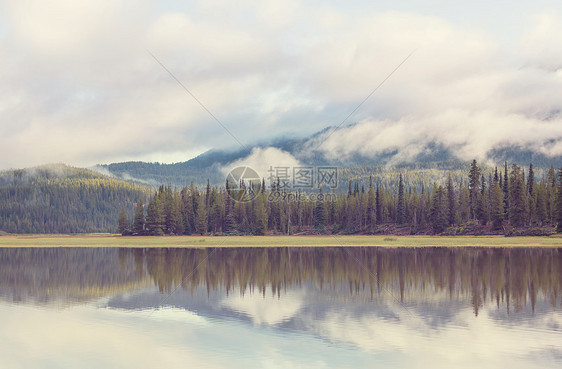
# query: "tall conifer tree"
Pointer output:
{"type": "Point", "coordinates": [202, 221]}
{"type": "Point", "coordinates": [505, 188]}
{"type": "Point", "coordinates": [123, 223]}
{"type": "Point", "coordinates": [378, 205]}
{"type": "Point", "coordinates": [530, 180]}
{"type": "Point", "coordinates": [474, 188]}
{"type": "Point", "coordinates": [451, 201]}
{"type": "Point", "coordinates": [138, 220]}
{"type": "Point", "coordinates": [155, 217]}
{"type": "Point", "coordinates": [516, 197]}
{"type": "Point", "coordinates": [438, 213]}
{"type": "Point", "coordinates": [558, 208]}
{"type": "Point", "coordinates": [400, 207]}
{"type": "Point", "coordinates": [371, 205]}
{"type": "Point", "coordinates": [497, 212]}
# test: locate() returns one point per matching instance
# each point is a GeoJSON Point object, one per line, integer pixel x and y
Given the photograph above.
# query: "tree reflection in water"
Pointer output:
{"type": "Point", "coordinates": [512, 277]}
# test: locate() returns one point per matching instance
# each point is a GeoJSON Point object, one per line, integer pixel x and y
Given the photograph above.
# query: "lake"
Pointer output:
{"type": "Point", "coordinates": [359, 307]}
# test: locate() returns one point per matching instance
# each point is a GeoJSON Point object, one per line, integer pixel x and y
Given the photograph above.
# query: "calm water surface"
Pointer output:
{"type": "Point", "coordinates": [281, 308]}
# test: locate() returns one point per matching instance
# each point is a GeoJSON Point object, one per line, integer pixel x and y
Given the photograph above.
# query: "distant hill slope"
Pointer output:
{"type": "Point", "coordinates": [197, 170]}
{"type": "Point", "coordinates": [63, 199]}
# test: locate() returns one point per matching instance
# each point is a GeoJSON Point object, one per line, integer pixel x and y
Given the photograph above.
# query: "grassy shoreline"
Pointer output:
{"type": "Point", "coordinates": [275, 241]}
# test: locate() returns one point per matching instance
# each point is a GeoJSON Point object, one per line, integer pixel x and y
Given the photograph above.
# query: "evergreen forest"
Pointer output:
{"type": "Point", "coordinates": [62, 199]}
{"type": "Point", "coordinates": [509, 200]}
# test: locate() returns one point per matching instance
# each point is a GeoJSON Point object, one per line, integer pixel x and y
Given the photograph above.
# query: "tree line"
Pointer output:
{"type": "Point", "coordinates": [505, 200]}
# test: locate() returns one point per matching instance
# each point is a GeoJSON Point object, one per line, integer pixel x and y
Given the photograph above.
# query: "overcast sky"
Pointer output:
{"type": "Point", "coordinates": [78, 85]}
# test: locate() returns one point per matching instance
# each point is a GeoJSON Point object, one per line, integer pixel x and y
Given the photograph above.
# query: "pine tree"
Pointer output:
{"type": "Point", "coordinates": [353, 215]}
{"type": "Point", "coordinates": [541, 199]}
{"type": "Point", "coordinates": [423, 207]}
{"type": "Point", "coordinates": [516, 197]}
{"type": "Point", "coordinates": [551, 195]}
{"type": "Point", "coordinates": [451, 202]}
{"type": "Point", "coordinates": [168, 206]}
{"type": "Point", "coordinates": [371, 205]}
{"type": "Point", "coordinates": [464, 202]}
{"type": "Point", "coordinates": [187, 211]}
{"type": "Point", "coordinates": [474, 188]}
{"type": "Point", "coordinates": [530, 180]}
{"type": "Point", "coordinates": [482, 203]}
{"type": "Point", "coordinates": [261, 216]}
{"type": "Point", "coordinates": [497, 212]}
{"type": "Point", "coordinates": [230, 223]}
{"type": "Point", "coordinates": [378, 205]}
{"type": "Point", "coordinates": [123, 223]}
{"type": "Point", "coordinates": [400, 206]}
{"type": "Point", "coordinates": [155, 217]}
{"type": "Point", "coordinates": [438, 213]}
{"type": "Point", "coordinates": [505, 188]}
{"type": "Point", "coordinates": [138, 221]}
{"type": "Point", "coordinates": [202, 221]}
{"type": "Point", "coordinates": [215, 210]}
{"type": "Point", "coordinates": [177, 221]}
{"type": "Point", "coordinates": [194, 197]}
{"type": "Point", "coordinates": [489, 196]}
{"type": "Point", "coordinates": [558, 207]}
{"type": "Point", "coordinates": [284, 218]}
{"type": "Point", "coordinates": [532, 199]}
{"type": "Point", "coordinates": [332, 209]}
{"type": "Point", "coordinates": [229, 226]}
{"type": "Point", "coordinates": [207, 194]}
{"type": "Point", "coordinates": [319, 219]}
{"type": "Point", "coordinates": [215, 221]}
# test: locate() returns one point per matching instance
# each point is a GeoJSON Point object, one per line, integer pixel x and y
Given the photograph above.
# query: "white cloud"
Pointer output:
{"type": "Point", "coordinates": [468, 134]}
{"type": "Point", "coordinates": [263, 159]}
{"type": "Point", "coordinates": [540, 43]}
{"type": "Point", "coordinates": [79, 86]}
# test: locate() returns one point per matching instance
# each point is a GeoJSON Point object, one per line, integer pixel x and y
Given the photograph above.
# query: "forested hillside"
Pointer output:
{"type": "Point", "coordinates": [206, 166]}
{"type": "Point", "coordinates": [416, 199]}
{"type": "Point", "coordinates": [62, 199]}
{"type": "Point", "coordinates": [501, 201]}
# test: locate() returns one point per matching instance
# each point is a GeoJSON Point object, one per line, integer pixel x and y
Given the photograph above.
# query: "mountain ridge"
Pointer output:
{"type": "Point", "coordinates": [210, 164]}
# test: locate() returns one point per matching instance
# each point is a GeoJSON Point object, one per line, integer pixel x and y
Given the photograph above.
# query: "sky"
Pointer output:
{"type": "Point", "coordinates": [80, 86]}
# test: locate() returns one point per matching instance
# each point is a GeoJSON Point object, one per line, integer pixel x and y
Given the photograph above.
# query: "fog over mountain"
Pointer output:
{"type": "Point", "coordinates": [81, 88]}
{"type": "Point", "coordinates": [311, 151]}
